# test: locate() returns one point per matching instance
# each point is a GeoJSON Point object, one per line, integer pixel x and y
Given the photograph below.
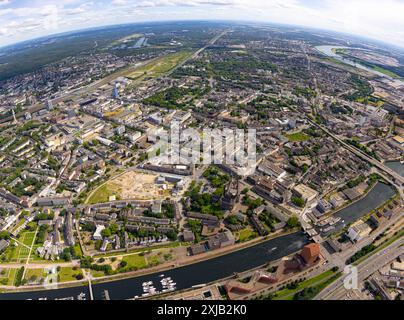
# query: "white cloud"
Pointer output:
{"type": "Point", "coordinates": [371, 18]}
{"type": "Point", "coordinates": [4, 2]}
{"type": "Point", "coordinates": [119, 2]}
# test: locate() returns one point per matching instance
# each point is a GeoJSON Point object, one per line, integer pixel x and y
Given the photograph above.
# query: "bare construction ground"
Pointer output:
{"type": "Point", "coordinates": [131, 185]}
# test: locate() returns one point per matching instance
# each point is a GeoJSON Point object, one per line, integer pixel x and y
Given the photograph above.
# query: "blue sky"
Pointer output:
{"type": "Point", "coordinates": [23, 19]}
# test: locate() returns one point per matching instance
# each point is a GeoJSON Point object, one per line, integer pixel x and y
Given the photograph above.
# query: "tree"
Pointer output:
{"type": "Point", "coordinates": [86, 262]}
{"type": "Point", "coordinates": [298, 202]}
{"type": "Point", "coordinates": [293, 222]}
{"type": "Point", "coordinates": [66, 255]}
{"type": "Point", "coordinates": [4, 235]}
{"type": "Point", "coordinates": [113, 228]}
{"type": "Point", "coordinates": [18, 280]}
{"type": "Point", "coordinates": [168, 209]}
{"type": "Point", "coordinates": [172, 235]}
{"type": "Point", "coordinates": [106, 232]}
{"type": "Point", "coordinates": [232, 220]}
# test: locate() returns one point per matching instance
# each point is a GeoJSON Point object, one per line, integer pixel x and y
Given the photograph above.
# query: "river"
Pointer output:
{"type": "Point", "coordinates": [186, 276]}
{"type": "Point", "coordinates": [327, 50]}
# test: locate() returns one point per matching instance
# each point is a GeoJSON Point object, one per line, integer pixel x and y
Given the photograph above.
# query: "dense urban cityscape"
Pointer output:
{"type": "Point", "coordinates": [90, 208]}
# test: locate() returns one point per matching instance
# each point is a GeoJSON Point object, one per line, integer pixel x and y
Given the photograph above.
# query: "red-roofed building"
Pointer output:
{"type": "Point", "coordinates": [309, 256]}
{"type": "Point", "coordinates": [310, 253]}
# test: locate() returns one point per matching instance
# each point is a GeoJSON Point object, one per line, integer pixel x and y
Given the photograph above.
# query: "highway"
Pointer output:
{"type": "Point", "coordinates": [366, 268]}
{"type": "Point", "coordinates": [338, 259]}
{"type": "Point", "coordinates": [344, 255]}
{"type": "Point", "coordinates": [196, 53]}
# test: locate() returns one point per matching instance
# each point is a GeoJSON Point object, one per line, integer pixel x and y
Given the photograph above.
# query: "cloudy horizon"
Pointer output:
{"type": "Point", "coordinates": [24, 20]}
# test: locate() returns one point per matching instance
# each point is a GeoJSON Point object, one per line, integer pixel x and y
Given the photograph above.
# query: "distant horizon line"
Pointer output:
{"type": "Point", "coordinates": [240, 21]}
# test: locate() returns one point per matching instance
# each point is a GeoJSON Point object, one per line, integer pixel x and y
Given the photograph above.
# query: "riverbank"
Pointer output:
{"type": "Point", "coordinates": [186, 276]}
{"type": "Point", "coordinates": [377, 197]}
{"type": "Point", "coordinates": [349, 203]}
{"type": "Point", "coordinates": [160, 268]}
{"type": "Point", "coordinates": [334, 52]}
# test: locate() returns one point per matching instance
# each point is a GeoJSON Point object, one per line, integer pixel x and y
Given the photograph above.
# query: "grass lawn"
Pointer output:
{"type": "Point", "coordinates": [246, 234]}
{"type": "Point", "coordinates": [283, 293]}
{"type": "Point", "coordinates": [159, 66]}
{"type": "Point", "coordinates": [386, 72]}
{"type": "Point", "coordinates": [135, 260]}
{"type": "Point", "coordinates": [97, 274]}
{"type": "Point", "coordinates": [4, 272]}
{"type": "Point", "coordinates": [23, 253]}
{"type": "Point", "coordinates": [10, 254]}
{"type": "Point", "coordinates": [34, 274]}
{"type": "Point", "coordinates": [298, 136]}
{"type": "Point", "coordinates": [20, 223]}
{"type": "Point", "coordinates": [68, 274]}
{"type": "Point", "coordinates": [7, 276]}
{"type": "Point", "coordinates": [27, 238]}
{"type": "Point", "coordinates": [154, 259]}
{"type": "Point", "coordinates": [103, 193]}
{"type": "Point", "coordinates": [160, 246]}
{"type": "Point", "coordinates": [18, 252]}
{"type": "Point", "coordinates": [77, 250]}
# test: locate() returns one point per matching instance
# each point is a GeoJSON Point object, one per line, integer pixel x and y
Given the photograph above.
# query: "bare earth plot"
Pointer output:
{"type": "Point", "coordinates": [131, 185]}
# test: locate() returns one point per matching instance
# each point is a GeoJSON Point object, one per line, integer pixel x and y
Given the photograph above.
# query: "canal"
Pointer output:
{"type": "Point", "coordinates": [380, 193]}
{"type": "Point", "coordinates": [397, 166]}
{"type": "Point", "coordinates": [186, 276]}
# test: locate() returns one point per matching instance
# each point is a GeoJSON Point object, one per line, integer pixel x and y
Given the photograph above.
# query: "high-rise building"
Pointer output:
{"type": "Point", "coordinates": [115, 92]}
{"type": "Point", "coordinates": [49, 105]}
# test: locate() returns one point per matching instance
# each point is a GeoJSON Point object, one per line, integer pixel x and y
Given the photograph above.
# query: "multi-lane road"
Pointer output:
{"type": "Point", "coordinates": [366, 268]}
{"type": "Point", "coordinates": [199, 51]}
